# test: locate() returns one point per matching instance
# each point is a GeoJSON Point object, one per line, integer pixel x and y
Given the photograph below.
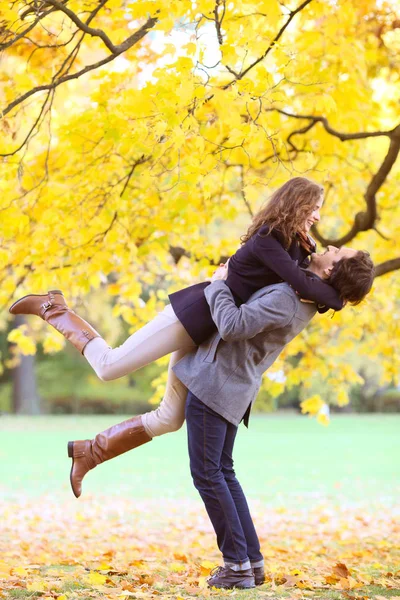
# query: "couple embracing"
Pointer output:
{"type": "Point", "coordinates": [222, 336]}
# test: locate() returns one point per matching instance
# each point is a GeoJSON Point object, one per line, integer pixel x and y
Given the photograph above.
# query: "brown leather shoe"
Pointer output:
{"type": "Point", "coordinates": [259, 575]}
{"type": "Point", "coordinates": [37, 304]}
{"type": "Point", "coordinates": [87, 454]}
{"type": "Point", "coordinates": [226, 578]}
{"type": "Point", "coordinates": [51, 307]}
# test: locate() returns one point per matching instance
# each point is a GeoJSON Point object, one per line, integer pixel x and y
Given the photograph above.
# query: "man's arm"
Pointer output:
{"type": "Point", "coordinates": [272, 310]}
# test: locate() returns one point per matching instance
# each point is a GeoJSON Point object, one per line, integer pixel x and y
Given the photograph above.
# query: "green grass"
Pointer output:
{"type": "Point", "coordinates": [256, 594]}
{"type": "Point", "coordinates": [280, 459]}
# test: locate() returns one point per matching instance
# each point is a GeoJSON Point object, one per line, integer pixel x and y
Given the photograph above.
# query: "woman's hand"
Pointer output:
{"type": "Point", "coordinates": [221, 273]}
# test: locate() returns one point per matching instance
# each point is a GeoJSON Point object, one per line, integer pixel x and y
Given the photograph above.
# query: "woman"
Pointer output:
{"type": "Point", "coordinates": [275, 244]}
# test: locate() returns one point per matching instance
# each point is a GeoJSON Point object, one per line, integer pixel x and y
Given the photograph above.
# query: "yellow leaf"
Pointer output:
{"type": "Point", "coordinates": [96, 578]}
{"type": "Point", "coordinates": [24, 344]}
{"type": "Point", "coordinates": [20, 571]}
{"type": "Point", "coordinates": [103, 567]}
{"type": "Point", "coordinates": [36, 586]}
{"type": "Point", "coordinates": [206, 566]}
{"type": "Point", "coordinates": [177, 567]}
{"type": "Point", "coordinates": [342, 398]}
{"type": "Point", "coordinates": [53, 342]}
{"type": "Point", "coordinates": [323, 419]}
{"type": "Point", "coordinates": [5, 569]}
{"type": "Point", "coordinates": [190, 48]}
{"type": "Point", "coordinates": [312, 405]}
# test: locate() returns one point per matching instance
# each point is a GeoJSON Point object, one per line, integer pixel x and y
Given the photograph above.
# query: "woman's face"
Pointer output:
{"type": "Point", "coordinates": [315, 216]}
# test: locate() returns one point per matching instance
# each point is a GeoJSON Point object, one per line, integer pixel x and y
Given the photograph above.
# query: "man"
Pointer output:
{"type": "Point", "coordinates": [223, 377]}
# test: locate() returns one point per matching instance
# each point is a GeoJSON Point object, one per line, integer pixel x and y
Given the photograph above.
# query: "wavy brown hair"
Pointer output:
{"type": "Point", "coordinates": [287, 209]}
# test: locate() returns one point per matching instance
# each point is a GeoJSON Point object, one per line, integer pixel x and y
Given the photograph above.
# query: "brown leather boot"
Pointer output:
{"type": "Point", "coordinates": [87, 454]}
{"type": "Point", "coordinates": [51, 307]}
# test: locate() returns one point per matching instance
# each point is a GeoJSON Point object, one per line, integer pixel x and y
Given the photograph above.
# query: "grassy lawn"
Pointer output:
{"type": "Point", "coordinates": [280, 459]}
{"type": "Point", "coordinates": [320, 497]}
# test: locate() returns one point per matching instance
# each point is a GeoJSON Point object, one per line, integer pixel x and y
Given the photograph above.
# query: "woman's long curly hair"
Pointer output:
{"type": "Point", "coordinates": [287, 210]}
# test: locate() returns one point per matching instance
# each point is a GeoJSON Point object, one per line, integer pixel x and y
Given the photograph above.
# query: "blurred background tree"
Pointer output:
{"type": "Point", "coordinates": [139, 138]}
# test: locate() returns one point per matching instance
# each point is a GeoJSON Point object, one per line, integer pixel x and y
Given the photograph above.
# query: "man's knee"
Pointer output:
{"type": "Point", "coordinates": [204, 478]}
{"type": "Point", "coordinates": [228, 472]}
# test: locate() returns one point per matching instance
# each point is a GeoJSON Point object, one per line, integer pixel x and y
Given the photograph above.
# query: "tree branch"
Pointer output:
{"type": "Point", "coordinates": [218, 21]}
{"type": "Point", "coordinates": [177, 252]}
{"type": "Point", "coordinates": [128, 43]}
{"type": "Point", "coordinates": [19, 36]}
{"type": "Point", "coordinates": [282, 30]}
{"type": "Point", "coordinates": [387, 267]}
{"type": "Point", "coordinates": [366, 220]}
{"type": "Point", "coordinates": [342, 136]}
{"type": "Point", "coordinates": [83, 26]}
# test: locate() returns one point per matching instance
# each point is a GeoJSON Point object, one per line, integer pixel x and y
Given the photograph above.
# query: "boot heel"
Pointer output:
{"type": "Point", "coordinates": [71, 449]}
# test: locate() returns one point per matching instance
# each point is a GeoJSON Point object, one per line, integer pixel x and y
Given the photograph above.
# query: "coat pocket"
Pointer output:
{"type": "Point", "coordinates": [212, 349]}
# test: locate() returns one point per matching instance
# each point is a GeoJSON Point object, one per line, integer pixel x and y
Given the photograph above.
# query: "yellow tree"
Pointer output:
{"type": "Point", "coordinates": [138, 139]}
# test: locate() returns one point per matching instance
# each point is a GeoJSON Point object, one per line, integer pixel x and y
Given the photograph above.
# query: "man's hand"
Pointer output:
{"type": "Point", "coordinates": [221, 273]}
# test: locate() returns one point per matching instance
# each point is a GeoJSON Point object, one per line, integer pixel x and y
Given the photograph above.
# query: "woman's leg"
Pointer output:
{"type": "Point", "coordinates": [132, 433]}
{"type": "Point", "coordinates": [170, 414]}
{"type": "Point", "coordinates": [163, 335]}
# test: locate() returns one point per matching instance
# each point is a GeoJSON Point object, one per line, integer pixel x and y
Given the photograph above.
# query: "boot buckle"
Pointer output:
{"type": "Point", "coordinates": [47, 305]}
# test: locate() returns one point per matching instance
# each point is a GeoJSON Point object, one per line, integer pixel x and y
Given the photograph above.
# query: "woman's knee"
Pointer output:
{"type": "Point", "coordinates": [104, 373]}
{"type": "Point", "coordinates": [175, 423]}
{"type": "Point", "coordinates": [168, 425]}
{"type": "Point", "coordinates": [158, 423]}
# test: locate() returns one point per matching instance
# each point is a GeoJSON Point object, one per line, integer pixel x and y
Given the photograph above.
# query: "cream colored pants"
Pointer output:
{"type": "Point", "coordinates": [163, 335]}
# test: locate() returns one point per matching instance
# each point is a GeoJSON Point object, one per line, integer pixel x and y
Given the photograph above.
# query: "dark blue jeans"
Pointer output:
{"type": "Point", "coordinates": [210, 440]}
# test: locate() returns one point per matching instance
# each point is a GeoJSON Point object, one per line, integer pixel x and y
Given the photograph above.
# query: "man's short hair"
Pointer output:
{"type": "Point", "coordinates": [353, 277]}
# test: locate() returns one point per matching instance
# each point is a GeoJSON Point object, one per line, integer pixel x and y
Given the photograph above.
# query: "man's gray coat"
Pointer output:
{"type": "Point", "coordinates": [225, 371]}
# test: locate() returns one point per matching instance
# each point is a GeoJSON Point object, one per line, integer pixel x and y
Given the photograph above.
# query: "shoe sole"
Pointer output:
{"type": "Point", "coordinates": [37, 295]}
{"type": "Point", "coordinates": [71, 455]}
{"type": "Point", "coordinates": [232, 587]}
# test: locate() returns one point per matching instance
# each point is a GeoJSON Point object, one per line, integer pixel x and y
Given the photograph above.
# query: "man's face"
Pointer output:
{"type": "Point", "coordinates": [325, 260]}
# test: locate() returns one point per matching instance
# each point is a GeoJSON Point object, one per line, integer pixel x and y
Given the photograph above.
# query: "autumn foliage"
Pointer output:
{"type": "Point", "coordinates": [137, 549]}
{"type": "Point", "coordinates": [138, 139]}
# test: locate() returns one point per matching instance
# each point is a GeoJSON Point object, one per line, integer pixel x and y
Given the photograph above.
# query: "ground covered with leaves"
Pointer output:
{"type": "Point", "coordinates": [111, 547]}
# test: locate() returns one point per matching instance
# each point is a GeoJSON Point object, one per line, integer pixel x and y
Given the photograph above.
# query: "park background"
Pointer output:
{"type": "Point", "coordinates": [138, 139]}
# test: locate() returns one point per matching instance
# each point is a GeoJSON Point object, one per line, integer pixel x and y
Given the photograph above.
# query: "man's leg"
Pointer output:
{"type": "Point", "coordinates": [253, 544]}
{"type": "Point", "coordinates": [206, 439]}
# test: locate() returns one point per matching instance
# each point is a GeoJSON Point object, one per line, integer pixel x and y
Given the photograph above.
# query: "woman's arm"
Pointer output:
{"type": "Point", "coordinates": [272, 254]}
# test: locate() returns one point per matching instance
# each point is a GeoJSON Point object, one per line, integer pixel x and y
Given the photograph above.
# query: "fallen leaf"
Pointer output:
{"type": "Point", "coordinates": [96, 578]}
{"type": "Point", "coordinates": [36, 586]}
{"type": "Point", "coordinates": [341, 570]}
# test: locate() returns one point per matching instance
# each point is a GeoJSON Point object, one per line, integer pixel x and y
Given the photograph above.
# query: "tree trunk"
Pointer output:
{"type": "Point", "coordinates": [25, 398]}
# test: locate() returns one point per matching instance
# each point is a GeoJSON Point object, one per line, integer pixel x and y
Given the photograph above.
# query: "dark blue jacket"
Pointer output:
{"type": "Point", "coordinates": [261, 261]}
